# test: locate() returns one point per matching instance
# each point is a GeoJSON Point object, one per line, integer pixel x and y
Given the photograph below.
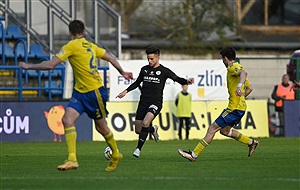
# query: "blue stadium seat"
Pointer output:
{"type": "Point", "coordinates": [56, 72]}
{"type": "Point", "coordinates": [8, 51]}
{"type": "Point", "coordinates": [52, 73]}
{"type": "Point", "coordinates": [20, 51]}
{"type": "Point", "coordinates": [14, 32]}
{"type": "Point", "coordinates": [30, 73]}
{"type": "Point", "coordinates": [37, 51]}
{"type": "Point", "coordinates": [53, 84]}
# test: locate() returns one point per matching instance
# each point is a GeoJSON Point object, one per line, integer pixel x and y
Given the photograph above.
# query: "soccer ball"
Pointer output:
{"type": "Point", "coordinates": [107, 153]}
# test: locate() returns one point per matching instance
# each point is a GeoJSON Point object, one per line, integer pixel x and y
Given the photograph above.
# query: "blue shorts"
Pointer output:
{"type": "Point", "coordinates": [229, 118]}
{"type": "Point", "coordinates": [93, 103]}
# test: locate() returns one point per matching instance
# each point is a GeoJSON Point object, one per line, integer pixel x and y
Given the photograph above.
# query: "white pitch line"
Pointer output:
{"type": "Point", "coordinates": [171, 178]}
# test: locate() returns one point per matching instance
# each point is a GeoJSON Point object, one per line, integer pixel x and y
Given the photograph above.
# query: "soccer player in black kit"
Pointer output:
{"type": "Point", "coordinates": [153, 77]}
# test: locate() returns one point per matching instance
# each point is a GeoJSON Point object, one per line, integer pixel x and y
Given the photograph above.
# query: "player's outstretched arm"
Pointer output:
{"type": "Point", "coordinates": [190, 81]}
{"type": "Point", "coordinates": [110, 58]}
{"type": "Point", "coordinates": [122, 94]}
{"type": "Point", "coordinates": [45, 65]}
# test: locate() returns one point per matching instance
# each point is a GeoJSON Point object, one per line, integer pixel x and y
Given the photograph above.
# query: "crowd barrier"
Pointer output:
{"type": "Point", "coordinates": [41, 121]}
{"type": "Point", "coordinates": [292, 118]}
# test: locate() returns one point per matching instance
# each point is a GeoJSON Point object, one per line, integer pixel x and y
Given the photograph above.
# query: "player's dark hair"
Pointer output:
{"type": "Point", "coordinates": [76, 27]}
{"type": "Point", "coordinates": [229, 53]}
{"type": "Point", "coordinates": [152, 50]}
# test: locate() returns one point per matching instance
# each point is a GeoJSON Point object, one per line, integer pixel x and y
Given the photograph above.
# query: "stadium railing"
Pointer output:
{"type": "Point", "coordinates": [21, 90]}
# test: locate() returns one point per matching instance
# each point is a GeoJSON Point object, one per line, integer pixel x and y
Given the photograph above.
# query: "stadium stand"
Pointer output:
{"type": "Point", "coordinates": [53, 84]}
{"type": "Point", "coordinates": [7, 51]}
{"type": "Point", "coordinates": [36, 51]}
{"type": "Point", "coordinates": [13, 48]}
{"type": "Point", "coordinates": [14, 32]}
{"type": "Point", "coordinates": [20, 50]}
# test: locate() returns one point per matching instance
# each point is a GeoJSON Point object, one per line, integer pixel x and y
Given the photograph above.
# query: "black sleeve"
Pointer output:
{"type": "Point", "coordinates": [274, 96]}
{"type": "Point", "coordinates": [136, 83]}
{"type": "Point", "coordinates": [176, 78]}
{"type": "Point", "coordinates": [181, 81]}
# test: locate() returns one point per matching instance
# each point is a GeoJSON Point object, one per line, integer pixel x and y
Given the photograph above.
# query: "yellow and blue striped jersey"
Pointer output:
{"type": "Point", "coordinates": [82, 56]}
{"type": "Point", "coordinates": [233, 78]}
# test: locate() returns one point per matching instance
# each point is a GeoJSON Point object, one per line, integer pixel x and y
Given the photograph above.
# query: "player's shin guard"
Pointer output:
{"type": "Point", "coordinates": [200, 147]}
{"type": "Point", "coordinates": [111, 143]}
{"type": "Point", "coordinates": [71, 135]}
{"type": "Point", "coordinates": [142, 137]}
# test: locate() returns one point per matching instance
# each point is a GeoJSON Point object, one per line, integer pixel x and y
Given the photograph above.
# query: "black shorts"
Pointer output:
{"type": "Point", "coordinates": [145, 107]}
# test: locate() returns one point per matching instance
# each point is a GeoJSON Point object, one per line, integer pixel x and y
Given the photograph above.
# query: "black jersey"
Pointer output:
{"type": "Point", "coordinates": [154, 80]}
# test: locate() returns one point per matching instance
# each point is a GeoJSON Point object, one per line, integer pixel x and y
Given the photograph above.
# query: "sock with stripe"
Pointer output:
{"type": "Point", "coordinates": [109, 138]}
{"type": "Point", "coordinates": [200, 147]}
{"type": "Point", "coordinates": [242, 138]}
{"type": "Point", "coordinates": [142, 137]}
{"type": "Point", "coordinates": [71, 135]}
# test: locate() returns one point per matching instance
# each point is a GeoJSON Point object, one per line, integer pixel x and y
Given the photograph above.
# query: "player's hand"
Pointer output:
{"type": "Point", "coordinates": [127, 75]}
{"type": "Point", "coordinates": [238, 91]}
{"type": "Point", "coordinates": [122, 94]}
{"type": "Point", "coordinates": [190, 81]}
{"type": "Point", "coordinates": [23, 65]}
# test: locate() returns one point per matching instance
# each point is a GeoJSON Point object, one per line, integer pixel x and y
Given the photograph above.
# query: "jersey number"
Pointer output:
{"type": "Point", "coordinates": [92, 59]}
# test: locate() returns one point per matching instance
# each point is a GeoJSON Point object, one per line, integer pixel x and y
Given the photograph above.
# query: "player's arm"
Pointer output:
{"type": "Point", "coordinates": [45, 65]}
{"type": "Point", "coordinates": [112, 59]}
{"type": "Point", "coordinates": [248, 90]}
{"type": "Point", "coordinates": [183, 81]}
{"type": "Point", "coordinates": [133, 86]}
{"type": "Point", "coordinates": [243, 75]}
{"type": "Point", "coordinates": [170, 74]}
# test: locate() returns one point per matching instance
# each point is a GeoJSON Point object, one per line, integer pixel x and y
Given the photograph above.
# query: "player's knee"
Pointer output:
{"type": "Point", "coordinates": [66, 121]}
{"type": "Point", "coordinates": [145, 124]}
{"type": "Point", "coordinates": [227, 133]}
{"type": "Point", "coordinates": [137, 130]}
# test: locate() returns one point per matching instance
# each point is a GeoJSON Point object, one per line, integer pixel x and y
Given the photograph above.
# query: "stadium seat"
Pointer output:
{"type": "Point", "coordinates": [46, 73]}
{"type": "Point", "coordinates": [53, 84]}
{"type": "Point", "coordinates": [37, 51]}
{"type": "Point", "coordinates": [8, 51]}
{"type": "Point", "coordinates": [56, 72]}
{"type": "Point", "coordinates": [30, 73]}
{"type": "Point", "coordinates": [20, 51]}
{"type": "Point", "coordinates": [14, 32]}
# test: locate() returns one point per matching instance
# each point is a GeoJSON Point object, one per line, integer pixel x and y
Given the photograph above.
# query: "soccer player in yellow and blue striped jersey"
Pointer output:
{"type": "Point", "coordinates": [239, 88]}
{"type": "Point", "coordinates": [89, 94]}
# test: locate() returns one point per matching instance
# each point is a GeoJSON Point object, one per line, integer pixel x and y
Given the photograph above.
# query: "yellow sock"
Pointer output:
{"type": "Point", "coordinates": [71, 135]}
{"type": "Point", "coordinates": [242, 138]}
{"type": "Point", "coordinates": [200, 147]}
{"type": "Point", "coordinates": [111, 143]}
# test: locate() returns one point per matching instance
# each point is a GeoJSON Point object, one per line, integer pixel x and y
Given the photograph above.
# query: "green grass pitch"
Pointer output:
{"type": "Point", "coordinates": [222, 165]}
